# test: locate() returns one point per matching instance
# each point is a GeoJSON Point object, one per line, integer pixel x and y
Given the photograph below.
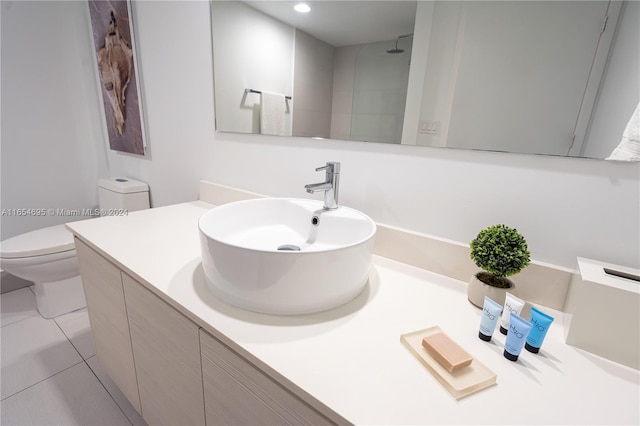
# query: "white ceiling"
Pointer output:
{"type": "Point", "coordinates": [345, 23]}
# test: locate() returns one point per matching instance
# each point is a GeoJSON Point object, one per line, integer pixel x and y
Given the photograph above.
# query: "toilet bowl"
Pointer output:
{"type": "Point", "coordinates": [47, 256]}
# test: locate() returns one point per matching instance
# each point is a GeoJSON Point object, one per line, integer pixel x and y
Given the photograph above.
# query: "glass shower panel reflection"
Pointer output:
{"type": "Point", "coordinates": [380, 91]}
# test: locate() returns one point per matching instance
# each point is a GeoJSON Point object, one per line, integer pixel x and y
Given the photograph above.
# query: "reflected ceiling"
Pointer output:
{"type": "Point", "coordinates": [346, 23]}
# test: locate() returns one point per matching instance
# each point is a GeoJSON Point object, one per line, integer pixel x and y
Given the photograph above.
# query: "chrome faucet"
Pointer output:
{"type": "Point", "coordinates": [329, 186]}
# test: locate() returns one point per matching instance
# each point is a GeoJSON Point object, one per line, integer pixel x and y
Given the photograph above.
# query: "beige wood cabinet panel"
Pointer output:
{"type": "Point", "coordinates": [102, 284]}
{"type": "Point", "coordinates": [237, 393]}
{"type": "Point", "coordinates": [166, 349]}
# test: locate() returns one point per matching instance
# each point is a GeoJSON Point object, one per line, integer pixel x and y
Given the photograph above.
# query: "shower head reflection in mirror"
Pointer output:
{"type": "Point", "coordinates": [397, 50]}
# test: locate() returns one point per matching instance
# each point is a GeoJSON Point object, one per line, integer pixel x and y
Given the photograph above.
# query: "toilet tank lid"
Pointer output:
{"type": "Point", "coordinates": [53, 239]}
{"type": "Point", "coordinates": [123, 185]}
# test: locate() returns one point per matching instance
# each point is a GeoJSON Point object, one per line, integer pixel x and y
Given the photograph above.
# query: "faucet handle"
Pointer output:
{"type": "Point", "coordinates": [330, 167]}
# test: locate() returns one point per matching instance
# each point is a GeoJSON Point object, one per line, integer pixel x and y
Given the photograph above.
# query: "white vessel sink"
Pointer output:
{"type": "Point", "coordinates": [286, 255]}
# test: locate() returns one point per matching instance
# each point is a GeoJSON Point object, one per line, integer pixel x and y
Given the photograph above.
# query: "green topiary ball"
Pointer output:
{"type": "Point", "coordinates": [500, 250]}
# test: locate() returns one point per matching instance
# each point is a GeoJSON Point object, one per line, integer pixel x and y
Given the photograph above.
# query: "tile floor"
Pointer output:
{"type": "Point", "coordinates": [50, 374]}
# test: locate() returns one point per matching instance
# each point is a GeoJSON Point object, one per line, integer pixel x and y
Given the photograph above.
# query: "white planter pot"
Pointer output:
{"type": "Point", "coordinates": [477, 290]}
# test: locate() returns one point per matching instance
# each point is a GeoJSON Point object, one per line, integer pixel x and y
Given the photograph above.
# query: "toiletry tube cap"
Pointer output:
{"type": "Point", "coordinates": [530, 348]}
{"type": "Point", "coordinates": [484, 337]}
{"type": "Point", "coordinates": [503, 330]}
{"type": "Point", "coordinates": [509, 356]}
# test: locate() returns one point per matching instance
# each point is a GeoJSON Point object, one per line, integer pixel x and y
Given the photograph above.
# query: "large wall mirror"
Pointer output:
{"type": "Point", "coordinates": [541, 77]}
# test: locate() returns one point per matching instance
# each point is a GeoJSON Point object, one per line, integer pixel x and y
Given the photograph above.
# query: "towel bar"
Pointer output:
{"type": "Point", "coordinates": [259, 92]}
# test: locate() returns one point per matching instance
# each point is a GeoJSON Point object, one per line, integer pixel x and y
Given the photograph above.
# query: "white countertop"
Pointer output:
{"type": "Point", "coordinates": [351, 358]}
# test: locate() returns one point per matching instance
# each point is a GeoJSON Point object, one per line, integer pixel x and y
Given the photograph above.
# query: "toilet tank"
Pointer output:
{"type": "Point", "coordinates": [122, 194]}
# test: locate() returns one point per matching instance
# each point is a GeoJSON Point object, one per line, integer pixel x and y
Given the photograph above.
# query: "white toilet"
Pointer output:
{"type": "Point", "coordinates": [47, 256]}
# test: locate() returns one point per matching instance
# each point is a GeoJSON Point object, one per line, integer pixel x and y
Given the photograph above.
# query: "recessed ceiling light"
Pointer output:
{"type": "Point", "coordinates": [302, 8]}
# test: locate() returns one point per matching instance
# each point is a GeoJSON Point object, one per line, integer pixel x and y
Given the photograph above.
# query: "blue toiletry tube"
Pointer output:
{"type": "Point", "coordinates": [490, 315]}
{"type": "Point", "coordinates": [540, 323]}
{"type": "Point", "coordinates": [511, 304]}
{"type": "Point", "coordinates": [517, 335]}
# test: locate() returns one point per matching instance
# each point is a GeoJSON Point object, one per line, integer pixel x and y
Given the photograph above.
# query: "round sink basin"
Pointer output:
{"type": "Point", "coordinates": [286, 255]}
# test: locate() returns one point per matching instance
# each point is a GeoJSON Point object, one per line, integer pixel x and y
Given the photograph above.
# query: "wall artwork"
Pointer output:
{"type": "Point", "coordinates": [115, 53]}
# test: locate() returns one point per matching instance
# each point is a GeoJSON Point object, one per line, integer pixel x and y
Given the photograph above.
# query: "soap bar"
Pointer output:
{"type": "Point", "coordinates": [447, 352]}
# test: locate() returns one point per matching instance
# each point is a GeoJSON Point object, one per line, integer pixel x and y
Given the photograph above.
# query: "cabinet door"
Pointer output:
{"type": "Point", "coordinates": [236, 392]}
{"type": "Point", "coordinates": [108, 316]}
{"type": "Point", "coordinates": [166, 348]}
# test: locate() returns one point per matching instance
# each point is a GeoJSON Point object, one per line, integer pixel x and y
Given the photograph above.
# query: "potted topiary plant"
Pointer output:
{"type": "Point", "coordinates": [501, 252]}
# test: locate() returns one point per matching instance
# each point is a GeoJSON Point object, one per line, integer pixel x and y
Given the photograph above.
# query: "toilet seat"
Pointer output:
{"type": "Point", "coordinates": [45, 241]}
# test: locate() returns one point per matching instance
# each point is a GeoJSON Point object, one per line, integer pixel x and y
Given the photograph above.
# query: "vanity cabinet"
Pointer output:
{"type": "Point", "coordinates": [150, 350]}
{"type": "Point", "coordinates": [170, 369]}
{"type": "Point", "coordinates": [236, 392]}
{"type": "Point", "coordinates": [166, 349]}
{"type": "Point", "coordinates": [102, 284]}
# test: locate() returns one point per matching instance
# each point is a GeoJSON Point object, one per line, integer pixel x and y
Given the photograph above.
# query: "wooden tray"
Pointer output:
{"type": "Point", "coordinates": [461, 383]}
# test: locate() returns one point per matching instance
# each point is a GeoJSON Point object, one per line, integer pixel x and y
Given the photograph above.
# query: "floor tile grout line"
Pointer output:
{"type": "Point", "coordinates": [107, 390]}
{"type": "Point", "coordinates": [82, 360]}
{"type": "Point", "coordinates": [68, 338]}
{"type": "Point", "coordinates": [30, 316]}
{"type": "Point", "coordinates": [71, 366]}
{"type": "Point", "coordinates": [93, 372]}
{"type": "Point", "coordinates": [40, 381]}
{"type": "Point", "coordinates": [22, 319]}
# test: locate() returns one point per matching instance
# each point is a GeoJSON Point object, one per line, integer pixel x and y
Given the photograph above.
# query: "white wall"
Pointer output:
{"type": "Point", "coordinates": [344, 70]}
{"type": "Point", "coordinates": [566, 207]}
{"type": "Point", "coordinates": [253, 51]}
{"type": "Point", "coordinates": [312, 86]}
{"type": "Point", "coordinates": [174, 43]}
{"type": "Point", "coordinates": [52, 142]}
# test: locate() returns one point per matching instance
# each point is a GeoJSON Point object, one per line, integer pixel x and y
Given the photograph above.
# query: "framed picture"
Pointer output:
{"type": "Point", "coordinates": [118, 73]}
